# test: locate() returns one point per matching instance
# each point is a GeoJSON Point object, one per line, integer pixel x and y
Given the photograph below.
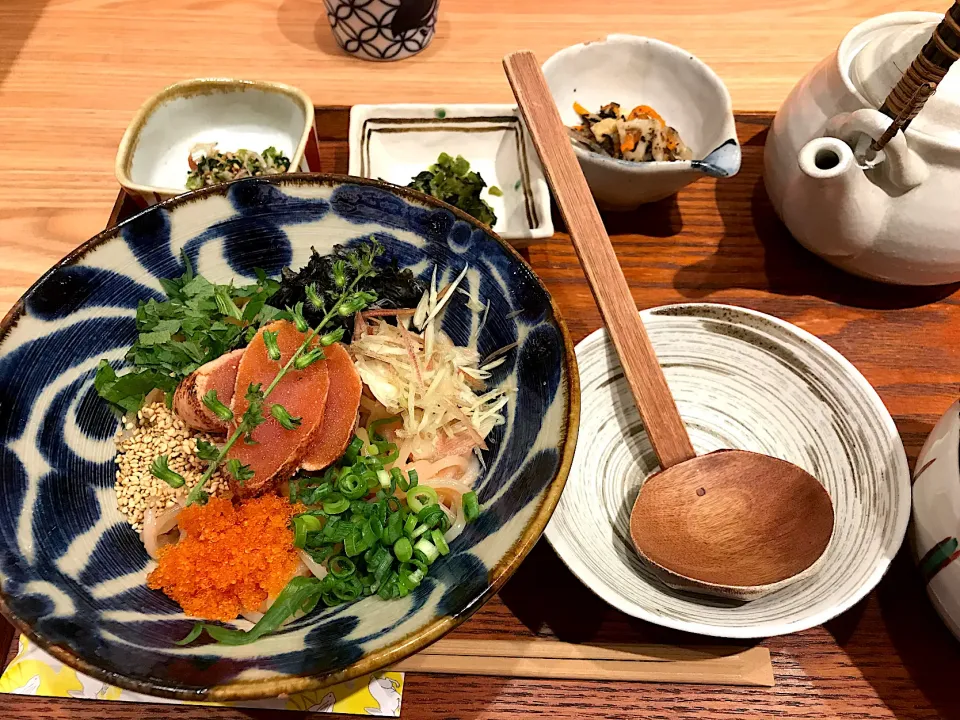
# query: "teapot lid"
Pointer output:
{"type": "Point", "coordinates": [880, 64]}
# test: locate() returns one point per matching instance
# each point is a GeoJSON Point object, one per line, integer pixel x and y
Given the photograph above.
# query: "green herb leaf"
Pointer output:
{"type": "Point", "coordinates": [332, 337]}
{"type": "Point", "coordinates": [340, 273]}
{"type": "Point", "coordinates": [313, 296]}
{"type": "Point", "coordinates": [308, 358]}
{"type": "Point", "coordinates": [177, 336]}
{"type": "Point", "coordinates": [160, 469]}
{"type": "Point", "coordinates": [125, 393]}
{"type": "Point", "coordinates": [299, 594]}
{"type": "Point", "coordinates": [241, 472]}
{"type": "Point", "coordinates": [225, 303]}
{"type": "Point", "coordinates": [191, 636]}
{"type": "Point", "coordinates": [207, 451]}
{"type": "Point", "coordinates": [280, 414]}
{"type": "Point", "coordinates": [270, 340]}
{"type": "Point", "coordinates": [217, 407]}
{"type": "Point", "coordinates": [298, 319]}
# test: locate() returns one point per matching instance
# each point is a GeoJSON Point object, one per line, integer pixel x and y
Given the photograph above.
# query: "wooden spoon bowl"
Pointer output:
{"type": "Point", "coordinates": [732, 523]}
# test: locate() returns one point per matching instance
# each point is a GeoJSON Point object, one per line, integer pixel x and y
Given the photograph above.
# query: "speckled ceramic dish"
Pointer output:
{"type": "Point", "coordinates": [73, 572]}
{"type": "Point", "coordinates": [742, 380]}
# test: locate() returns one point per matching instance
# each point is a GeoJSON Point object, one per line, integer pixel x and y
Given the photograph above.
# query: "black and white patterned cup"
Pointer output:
{"type": "Point", "coordinates": [382, 29]}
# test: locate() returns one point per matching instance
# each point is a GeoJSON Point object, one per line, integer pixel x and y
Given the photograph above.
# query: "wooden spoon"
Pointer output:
{"type": "Point", "coordinates": [732, 523]}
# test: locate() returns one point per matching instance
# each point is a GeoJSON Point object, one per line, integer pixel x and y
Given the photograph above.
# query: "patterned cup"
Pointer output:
{"type": "Point", "coordinates": [382, 29]}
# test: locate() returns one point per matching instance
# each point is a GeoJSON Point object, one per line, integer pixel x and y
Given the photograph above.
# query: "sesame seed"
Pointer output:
{"type": "Point", "coordinates": [157, 432]}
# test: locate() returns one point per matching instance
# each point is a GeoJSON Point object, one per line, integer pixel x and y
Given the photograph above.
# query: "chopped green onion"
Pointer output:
{"type": "Point", "coordinates": [162, 471]}
{"type": "Point", "coordinates": [422, 496]}
{"type": "Point", "coordinates": [374, 427]}
{"type": "Point", "coordinates": [335, 504]}
{"type": "Point", "coordinates": [420, 530]}
{"type": "Point", "coordinates": [441, 544]}
{"type": "Point", "coordinates": [348, 590]}
{"type": "Point", "coordinates": [371, 478]}
{"type": "Point", "coordinates": [353, 544]}
{"type": "Point", "coordinates": [410, 578]}
{"type": "Point", "coordinates": [414, 478]}
{"type": "Point", "coordinates": [217, 407]}
{"type": "Point", "coordinates": [471, 507]}
{"type": "Point", "coordinates": [341, 567]}
{"type": "Point", "coordinates": [352, 487]}
{"type": "Point", "coordinates": [353, 451]}
{"type": "Point", "coordinates": [409, 525]}
{"type": "Point", "coordinates": [428, 549]}
{"type": "Point", "coordinates": [303, 524]}
{"type": "Point", "coordinates": [387, 452]}
{"type": "Point", "coordinates": [403, 549]}
{"type": "Point", "coordinates": [432, 516]}
{"type": "Point", "coordinates": [393, 530]}
{"type": "Point", "coordinates": [384, 478]}
{"type": "Point", "coordinates": [371, 532]}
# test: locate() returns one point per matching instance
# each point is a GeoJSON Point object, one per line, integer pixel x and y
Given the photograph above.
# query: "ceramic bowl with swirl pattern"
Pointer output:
{"type": "Point", "coordinates": [73, 572]}
{"type": "Point", "coordinates": [747, 381]}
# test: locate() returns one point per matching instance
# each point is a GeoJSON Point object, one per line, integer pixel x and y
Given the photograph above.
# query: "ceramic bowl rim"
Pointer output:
{"type": "Point", "coordinates": [190, 88]}
{"type": "Point", "coordinates": [902, 510]}
{"type": "Point", "coordinates": [661, 166]}
{"type": "Point", "coordinates": [417, 639]}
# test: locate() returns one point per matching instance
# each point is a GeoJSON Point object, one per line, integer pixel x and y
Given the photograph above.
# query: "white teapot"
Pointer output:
{"type": "Point", "coordinates": [895, 217]}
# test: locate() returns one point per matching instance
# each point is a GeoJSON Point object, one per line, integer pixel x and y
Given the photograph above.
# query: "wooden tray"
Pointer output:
{"type": "Point", "coordinates": [718, 241]}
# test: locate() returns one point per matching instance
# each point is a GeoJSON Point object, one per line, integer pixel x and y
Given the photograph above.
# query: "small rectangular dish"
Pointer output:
{"type": "Point", "coordinates": [152, 161]}
{"type": "Point", "coordinates": [396, 142]}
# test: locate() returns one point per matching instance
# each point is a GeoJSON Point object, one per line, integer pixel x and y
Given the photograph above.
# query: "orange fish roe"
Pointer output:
{"type": "Point", "coordinates": [231, 558]}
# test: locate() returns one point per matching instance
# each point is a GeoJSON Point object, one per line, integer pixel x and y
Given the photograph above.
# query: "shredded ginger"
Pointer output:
{"type": "Point", "coordinates": [437, 388]}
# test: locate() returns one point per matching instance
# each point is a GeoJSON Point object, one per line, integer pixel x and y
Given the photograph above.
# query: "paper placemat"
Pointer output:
{"type": "Point", "coordinates": [33, 672]}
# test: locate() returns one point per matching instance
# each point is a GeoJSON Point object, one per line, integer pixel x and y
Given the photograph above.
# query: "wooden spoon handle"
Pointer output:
{"type": "Point", "coordinates": [654, 401]}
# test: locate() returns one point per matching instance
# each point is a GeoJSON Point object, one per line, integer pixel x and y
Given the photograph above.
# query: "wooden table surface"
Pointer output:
{"type": "Point", "coordinates": [73, 71]}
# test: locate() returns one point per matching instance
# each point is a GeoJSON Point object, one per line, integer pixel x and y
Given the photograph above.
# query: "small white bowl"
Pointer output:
{"type": "Point", "coordinates": [151, 163]}
{"type": "Point", "coordinates": [632, 71]}
{"type": "Point", "coordinates": [396, 142]}
{"type": "Point", "coordinates": [936, 516]}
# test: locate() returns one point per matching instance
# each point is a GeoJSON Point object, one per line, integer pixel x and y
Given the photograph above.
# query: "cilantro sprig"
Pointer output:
{"type": "Point", "coordinates": [359, 264]}
{"type": "Point", "coordinates": [198, 322]}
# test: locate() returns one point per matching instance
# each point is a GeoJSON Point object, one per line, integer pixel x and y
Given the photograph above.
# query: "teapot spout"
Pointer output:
{"type": "Point", "coordinates": [832, 207]}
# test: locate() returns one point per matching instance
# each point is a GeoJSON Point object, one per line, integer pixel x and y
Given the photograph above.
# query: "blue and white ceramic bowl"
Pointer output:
{"type": "Point", "coordinates": [73, 572]}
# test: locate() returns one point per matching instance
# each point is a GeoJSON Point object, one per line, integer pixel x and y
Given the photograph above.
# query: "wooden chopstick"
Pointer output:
{"type": "Point", "coordinates": [566, 661]}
